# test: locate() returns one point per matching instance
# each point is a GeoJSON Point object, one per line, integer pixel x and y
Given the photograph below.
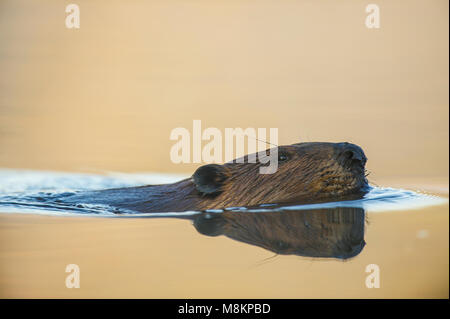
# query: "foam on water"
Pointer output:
{"type": "Point", "coordinates": [20, 191]}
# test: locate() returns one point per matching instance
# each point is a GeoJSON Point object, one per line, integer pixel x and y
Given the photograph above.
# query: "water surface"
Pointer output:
{"type": "Point", "coordinates": [235, 241]}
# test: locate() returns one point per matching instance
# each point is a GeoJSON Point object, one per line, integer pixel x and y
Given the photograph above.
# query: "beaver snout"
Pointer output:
{"type": "Point", "coordinates": [351, 156]}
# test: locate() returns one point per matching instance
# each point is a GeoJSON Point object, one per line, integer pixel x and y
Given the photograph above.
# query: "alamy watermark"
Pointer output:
{"type": "Point", "coordinates": [73, 279]}
{"type": "Point", "coordinates": [373, 279]}
{"type": "Point", "coordinates": [212, 152]}
{"type": "Point", "coordinates": [73, 18]}
{"type": "Point", "coordinates": [373, 17]}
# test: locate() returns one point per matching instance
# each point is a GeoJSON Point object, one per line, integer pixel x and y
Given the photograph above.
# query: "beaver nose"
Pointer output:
{"type": "Point", "coordinates": [351, 155]}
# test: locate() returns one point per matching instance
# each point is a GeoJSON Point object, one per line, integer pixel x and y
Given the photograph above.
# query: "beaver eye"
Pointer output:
{"type": "Point", "coordinates": [282, 157]}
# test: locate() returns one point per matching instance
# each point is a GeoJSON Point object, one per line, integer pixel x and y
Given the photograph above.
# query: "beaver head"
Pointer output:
{"type": "Point", "coordinates": [306, 172]}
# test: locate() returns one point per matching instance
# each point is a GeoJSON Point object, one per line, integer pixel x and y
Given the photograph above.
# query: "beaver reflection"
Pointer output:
{"type": "Point", "coordinates": [335, 233]}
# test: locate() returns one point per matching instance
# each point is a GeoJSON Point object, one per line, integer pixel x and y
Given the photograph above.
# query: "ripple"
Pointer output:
{"type": "Point", "coordinates": [43, 192]}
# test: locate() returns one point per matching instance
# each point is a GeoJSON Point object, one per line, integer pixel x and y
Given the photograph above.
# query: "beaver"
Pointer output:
{"type": "Point", "coordinates": [307, 173]}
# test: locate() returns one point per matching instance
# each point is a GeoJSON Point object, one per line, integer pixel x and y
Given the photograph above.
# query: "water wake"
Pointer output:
{"type": "Point", "coordinates": [41, 192]}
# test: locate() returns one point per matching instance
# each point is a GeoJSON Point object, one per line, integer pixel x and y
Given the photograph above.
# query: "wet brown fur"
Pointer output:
{"type": "Point", "coordinates": [313, 172]}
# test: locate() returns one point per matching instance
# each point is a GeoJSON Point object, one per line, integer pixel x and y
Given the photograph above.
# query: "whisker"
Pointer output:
{"type": "Point", "coordinates": [265, 260]}
{"type": "Point", "coordinates": [264, 141]}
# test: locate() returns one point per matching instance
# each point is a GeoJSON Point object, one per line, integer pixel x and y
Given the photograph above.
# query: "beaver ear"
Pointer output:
{"type": "Point", "coordinates": [209, 179]}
